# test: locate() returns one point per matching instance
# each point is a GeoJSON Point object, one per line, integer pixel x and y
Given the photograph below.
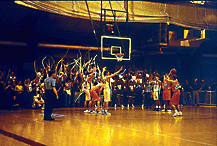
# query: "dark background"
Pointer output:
{"type": "Point", "coordinates": [22, 24]}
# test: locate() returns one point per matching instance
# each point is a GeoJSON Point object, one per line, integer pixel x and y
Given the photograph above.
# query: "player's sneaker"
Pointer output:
{"type": "Point", "coordinates": [169, 110]}
{"type": "Point", "coordinates": [98, 112]}
{"type": "Point", "coordinates": [86, 111]}
{"type": "Point", "coordinates": [92, 112]}
{"type": "Point", "coordinates": [180, 113]}
{"type": "Point", "coordinates": [107, 113]}
{"type": "Point", "coordinates": [176, 114]}
{"type": "Point", "coordinates": [164, 110]}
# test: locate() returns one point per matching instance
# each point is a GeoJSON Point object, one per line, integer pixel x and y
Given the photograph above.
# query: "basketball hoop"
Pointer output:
{"type": "Point", "coordinates": [119, 56]}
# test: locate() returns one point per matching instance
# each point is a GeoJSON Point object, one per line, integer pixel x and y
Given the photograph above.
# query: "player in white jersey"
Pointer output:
{"type": "Point", "coordinates": [107, 87]}
{"type": "Point", "coordinates": [156, 93]}
{"type": "Point", "coordinates": [86, 86]}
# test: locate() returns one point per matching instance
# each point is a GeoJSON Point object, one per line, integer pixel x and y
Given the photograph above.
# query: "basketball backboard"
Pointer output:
{"type": "Point", "coordinates": [111, 45]}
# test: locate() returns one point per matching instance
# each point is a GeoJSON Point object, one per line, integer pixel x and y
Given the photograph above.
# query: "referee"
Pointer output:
{"type": "Point", "coordinates": [50, 95]}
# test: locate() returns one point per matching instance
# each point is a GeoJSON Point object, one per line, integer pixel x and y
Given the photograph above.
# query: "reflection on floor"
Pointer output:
{"type": "Point", "coordinates": [132, 127]}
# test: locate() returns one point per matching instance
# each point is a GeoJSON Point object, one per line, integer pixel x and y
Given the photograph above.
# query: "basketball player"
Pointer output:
{"type": "Point", "coordinates": [86, 88]}
{"type": "Point", "coordinates": [95, 92]}
{"type": "Point", "coordinates": [174, 102]}
{"type": "Point", "coordinates": [166, 93]}
{"type": "Point", "coordinates": [147, 95]}
{"type": "Point", "coordinates": [156, 93]}
{"type": "Point", "coordinates": [107, 88]}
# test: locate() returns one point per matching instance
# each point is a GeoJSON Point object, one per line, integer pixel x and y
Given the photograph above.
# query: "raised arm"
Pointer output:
{"type": "Point", "coordinates": [99, 70]}
{"type": "Point", "coordinates": [103, 70]}
{"type": "Point", "coordinates": [110, 76]}
{"type": "Point", "coordinates": [90, 77]}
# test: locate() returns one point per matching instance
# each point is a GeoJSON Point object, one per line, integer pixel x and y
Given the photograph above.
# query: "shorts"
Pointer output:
{"type": "Point", "coordinates": [87, 95]}
{"type": "Point", "coordinates": [94, 95]}
{"type": "Point", "coordinates": [175, 98]}
{"type": "Point", "coordinates": [156, 95]}
{"type": "Point", "coordinates": [166, 94]}
{"type": "Point", "coordinates": [107, 95]}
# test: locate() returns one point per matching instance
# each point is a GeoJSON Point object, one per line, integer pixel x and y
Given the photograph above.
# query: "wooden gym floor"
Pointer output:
{"type": "Point", "coordinates": [133, 127]}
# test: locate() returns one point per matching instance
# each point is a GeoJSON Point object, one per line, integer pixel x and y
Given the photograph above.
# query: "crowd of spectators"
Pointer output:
{"type": "Point", "coordinates": [28, 94]}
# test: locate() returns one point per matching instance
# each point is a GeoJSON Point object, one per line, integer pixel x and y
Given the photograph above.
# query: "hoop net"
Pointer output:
{"type": "Point", "coordinates": [119, 56]}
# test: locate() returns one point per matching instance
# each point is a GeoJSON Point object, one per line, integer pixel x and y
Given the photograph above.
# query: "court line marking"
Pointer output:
{"type": "Point", "coordinates": [20, 138]}
{"type": "Point", "coordinates": [169, 135]}
{"type": "Point", "coordinates": [197, 133]}
{"type": "Point", "coordinates": [164, 135]}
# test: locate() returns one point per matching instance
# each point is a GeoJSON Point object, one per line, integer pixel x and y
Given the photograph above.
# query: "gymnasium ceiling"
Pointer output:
{"type": "Point", "coordinates": [68, 22]}
{"type": "Point", "coordinates": [179, 13]}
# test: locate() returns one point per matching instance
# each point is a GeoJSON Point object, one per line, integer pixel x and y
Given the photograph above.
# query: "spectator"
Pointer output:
{"type": "Point", "coordinates": [19, 94]}
{"type": "Point", "coordinates": [196, 87]}
{"type": "Point", "coordinates": [187, 93]}
{"type": "Point", "coordinates": [38, 102]}
{"type": "Point", "coordinates": [12, 78]}
{"type": "Point", "coordinates": [67, 91]}
{"type": "Point", "coordinates": [204, 89]}
{"type": "Point", "coordinates": [10, 97]}
{"type": "Point", "coordinates": [29, 94]}
{"type": "Point", "coordinates": [60, 91]}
